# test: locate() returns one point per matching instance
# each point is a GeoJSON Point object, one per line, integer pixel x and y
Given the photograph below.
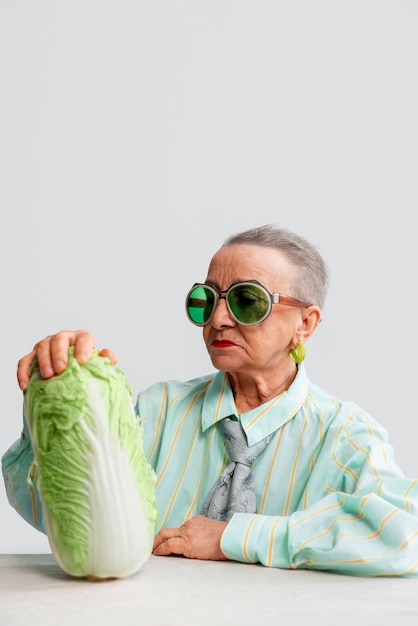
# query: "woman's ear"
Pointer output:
{"type": "Point", "coordinates": [310, 320]}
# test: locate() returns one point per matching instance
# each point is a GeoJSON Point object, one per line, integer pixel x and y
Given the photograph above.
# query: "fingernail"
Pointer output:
{"type": "Point", "coordinates": [47, 371]}
{"type": "Point", "coordinates": [59, 366]}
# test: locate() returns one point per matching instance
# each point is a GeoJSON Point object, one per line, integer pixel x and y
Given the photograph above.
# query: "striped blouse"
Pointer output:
{"type": "Point", "coordinates": [329, 493]}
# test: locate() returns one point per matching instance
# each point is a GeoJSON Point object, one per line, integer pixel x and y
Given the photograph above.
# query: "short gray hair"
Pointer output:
{"type": "Point", "coordinates": [311, 282]}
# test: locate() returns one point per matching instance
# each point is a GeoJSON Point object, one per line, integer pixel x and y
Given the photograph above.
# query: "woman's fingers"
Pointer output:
{"type": "Point", "coordinates": [52, 354]}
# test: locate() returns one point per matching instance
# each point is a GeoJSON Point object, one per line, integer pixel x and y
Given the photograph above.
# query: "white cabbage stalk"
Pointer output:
{"type": "Point", "coordinates": [96, 485]}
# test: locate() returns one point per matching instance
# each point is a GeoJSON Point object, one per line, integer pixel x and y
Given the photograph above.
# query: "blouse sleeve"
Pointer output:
{"type": "Point", "coordinates": [366, 523]}
{"type": "Point", "coordinates": [20, 478]}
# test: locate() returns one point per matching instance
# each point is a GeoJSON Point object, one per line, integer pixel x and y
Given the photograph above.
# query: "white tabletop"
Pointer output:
{"type": "Point", "coordinates": [173, 590]}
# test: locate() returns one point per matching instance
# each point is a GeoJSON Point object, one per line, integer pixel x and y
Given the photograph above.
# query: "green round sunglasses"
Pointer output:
{"type": "Point", "coordinates": [248, 302]}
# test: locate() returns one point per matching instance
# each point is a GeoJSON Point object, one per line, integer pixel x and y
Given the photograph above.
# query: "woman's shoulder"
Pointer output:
{"type": "Point", "coordinates": [341, 414]}
{"type": "Point", "coordinates": [174, 387]}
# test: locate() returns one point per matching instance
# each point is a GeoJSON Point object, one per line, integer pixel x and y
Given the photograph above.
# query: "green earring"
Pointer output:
{"type": "Point", "coordinates": [298, 354]}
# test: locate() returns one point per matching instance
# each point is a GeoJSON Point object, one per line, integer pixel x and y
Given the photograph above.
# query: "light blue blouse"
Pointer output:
{"type": "Point", "coordinates": [329, 493]}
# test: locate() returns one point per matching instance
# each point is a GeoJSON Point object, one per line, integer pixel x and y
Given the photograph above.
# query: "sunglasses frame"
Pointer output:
{"type": "Point", "coordinates": [274, 298]}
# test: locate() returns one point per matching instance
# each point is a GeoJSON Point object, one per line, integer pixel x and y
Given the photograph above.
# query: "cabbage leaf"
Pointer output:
{"type": "Point", "coordinates": [96, 485]}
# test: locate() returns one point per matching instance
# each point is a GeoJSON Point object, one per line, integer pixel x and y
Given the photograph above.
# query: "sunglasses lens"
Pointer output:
{"type": "Point", "coordinates": [199, 304]}
{"type": "Point", "coordinates": [249, 303]}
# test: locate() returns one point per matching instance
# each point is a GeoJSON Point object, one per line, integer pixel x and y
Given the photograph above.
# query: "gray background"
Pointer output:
{"type": "Point", "coordinates": [136, 136]}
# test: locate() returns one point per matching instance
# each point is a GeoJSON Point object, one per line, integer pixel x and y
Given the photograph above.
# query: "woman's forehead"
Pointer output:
{"type": "Point", "coordinates": [244, 262]}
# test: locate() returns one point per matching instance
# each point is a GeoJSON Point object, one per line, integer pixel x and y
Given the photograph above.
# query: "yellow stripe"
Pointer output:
{"type": "Point", "coordinates": [263, 412]}
{"type": "Point", "coordinates": [245, 540]}
{"type": "Point", "coordinates": [173, 444]}
{"type": "Point", "coordinates": [30, 481]}
{"type": "Point", "coordinates": [270, 552]}
{"type": "Point", "coordinates": [224, 460]}
{"type": "Point", "coordinates": [180, 479]}
{"type": "Point", "coordinates": [306, 491]}
{"type": "Point", "coordinates": [221, 396]}
{"type": "Point", "coordinates": [197, 493]}
{"type": "Point", "coordinates": [330, 527]}
{"type": "Point", "coordinates": [337, 519]}
{"type": "Point", "coordinates": [406, 494]}
{"type": "Point", "coordinates": [319, 512]}
{"type": "Point", "coordinates": [269, 475]}
{"type": "Point", "coordinates": [384, 521]}
{"type": "Point", "coordinates": [352, 519]}
{"type": "Point", "coordinates": [268, 407]}
{"type": "Point", "coordinates": [411, 538]}
{"type": "Point", "coordinates": [366, 454]}
{"type": "Point", "coordinates": [273, 461]}
{"type": "Point", "coordinates": [337, 462]}
{"type": "Point", "coordinates": [407, 572]}
{"type": "Point", "coordinates": [163, 411]}
{"type": "Point", "coordinates": [293, 472]}
{"type": "Point", "coordinates": [159, 420]}
{"type": "Point", "coordinates": [175, 438]}
{"type": "Point", "coordinates": [313, 461]}
{"type": "Point", "coordinates": [9, 482]}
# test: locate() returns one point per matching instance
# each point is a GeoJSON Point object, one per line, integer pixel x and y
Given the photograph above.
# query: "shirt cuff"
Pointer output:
{"type": "Point", "coordinates": [252, 538]}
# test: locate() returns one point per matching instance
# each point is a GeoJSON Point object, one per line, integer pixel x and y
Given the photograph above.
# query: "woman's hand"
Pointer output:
{"type": "Point", "coordinates": [52, 354]}
{"type": "Point", "coordinates": [198, 538]}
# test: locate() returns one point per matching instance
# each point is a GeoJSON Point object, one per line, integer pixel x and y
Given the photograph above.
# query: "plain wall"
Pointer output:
{"type": "Point", "coordinates": [136, 136]}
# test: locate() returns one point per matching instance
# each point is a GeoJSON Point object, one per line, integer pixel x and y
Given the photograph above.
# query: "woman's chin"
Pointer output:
{"type": "Point", "coordinates": [223, 362]}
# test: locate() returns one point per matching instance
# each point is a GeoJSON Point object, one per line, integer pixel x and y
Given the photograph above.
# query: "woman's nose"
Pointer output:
{"type": "Point", "coordinates": [221, 315]}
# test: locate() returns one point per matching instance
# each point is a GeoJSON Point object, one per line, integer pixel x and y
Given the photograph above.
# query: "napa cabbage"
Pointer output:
{"type": "Point", "coordinates": [96, 485]}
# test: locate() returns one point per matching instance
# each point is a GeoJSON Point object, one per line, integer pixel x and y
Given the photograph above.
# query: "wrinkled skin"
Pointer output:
{"type": "Point", "coordinates": [198, 538]}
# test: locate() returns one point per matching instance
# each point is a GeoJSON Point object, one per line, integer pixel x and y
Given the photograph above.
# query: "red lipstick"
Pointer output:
{"type": "Point", "coordinates": [222, 343]}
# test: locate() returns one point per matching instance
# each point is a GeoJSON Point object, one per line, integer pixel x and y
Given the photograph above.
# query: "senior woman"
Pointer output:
{"type": "Point", "coordinates": [255, 463]}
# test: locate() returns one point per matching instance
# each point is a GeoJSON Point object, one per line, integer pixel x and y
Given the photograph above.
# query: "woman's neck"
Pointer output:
{"type": "Point", "coordinates": [251, 392]}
